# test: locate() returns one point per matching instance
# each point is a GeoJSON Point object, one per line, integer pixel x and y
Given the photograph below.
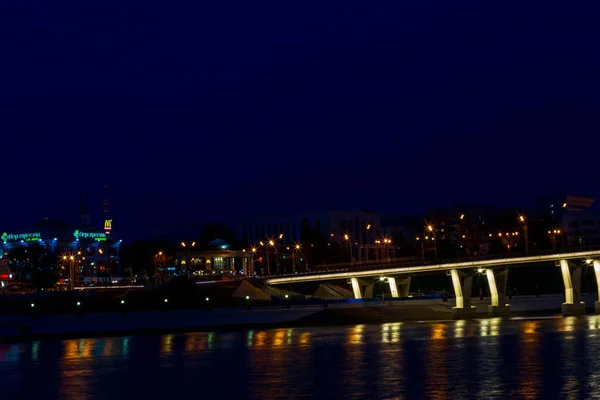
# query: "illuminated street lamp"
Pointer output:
{"type": "Point", "coordinates": [158, 258]}
{"type": "Point", "coordinates": [431, 229]}
{"type": "Point", "coordinates": [253, 252]}
{"type": "Point", "coordinates": [296, 248]}
{"type": "Point", "coordinates": [347, 238]}
{"type": "Point", "coordinates": [553, 234]}
{"type": "Point", "coordinates": [525, 232]}
{"type": "Point", "coordinates": [462, 216]}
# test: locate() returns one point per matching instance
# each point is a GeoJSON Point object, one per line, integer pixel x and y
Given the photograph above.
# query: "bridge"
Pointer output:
{"type": "Point", "coordinates": [461, 272]}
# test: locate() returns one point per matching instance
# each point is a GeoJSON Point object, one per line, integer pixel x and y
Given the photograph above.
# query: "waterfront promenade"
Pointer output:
{"type": "Point", "coordinates": [357, 312]}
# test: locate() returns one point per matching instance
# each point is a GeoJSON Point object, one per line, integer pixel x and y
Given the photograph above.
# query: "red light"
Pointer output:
{"type": "Point", "coordinates": [3, 276]}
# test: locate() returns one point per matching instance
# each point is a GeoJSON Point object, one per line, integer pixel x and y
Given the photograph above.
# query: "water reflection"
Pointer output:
{"type": "Point", "coordinates": [489, 365]}
{"type": "Point", "coordinates": [91, 348]}
{"type": "Point", "coordinates": [167, 343]}
{"type": "Point", "coordinates": [490, 327]}
{"type": "Point", "coordinates": [35, 349]}
{"type": "Point", "coordinates": [570, 359]}
{"type": "Point", "coordinates": [439, 331]}
{"type": "Point", "coordinates": [529, 365]}
{"type": "Point", "coordinates": [593, 324]}
{"type": "Point", "coordinates": [437, 377]}
{"type": "Point", "coordinates": [459, 328]}
{"type": "Point", "coordinates": [390, 332]}
{"type": "Point", "coordinates": [355, 335]}
{"type": "Point", "coordinates": [590, 355]}
{"type": "Point", "coordinates": [354, 360]}
{"type": "Point", "coordinates": [305, 338]}
{"type": "Point", "coordinates": [492, 358]}
{"type": "Point", "coordinates": [196, 341]}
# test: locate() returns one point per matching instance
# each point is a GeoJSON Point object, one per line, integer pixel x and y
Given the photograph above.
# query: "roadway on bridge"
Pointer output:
{"type": "Point", "coordinates": [391, 271]}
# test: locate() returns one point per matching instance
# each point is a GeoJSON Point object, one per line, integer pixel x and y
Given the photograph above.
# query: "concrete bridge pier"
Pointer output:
{"type": "Point", "coordinates": [357, 288]}
{"type": "Point", "coordinates": [572, 280]}
{"type": "Point", "coordinates": [400, 287]}
{"type": "Point", "coordinates": [463, 284]}
{"type": "Point", "coordinates": [597, 272]}
{"type": "Point", "coordinates": [497, 282]}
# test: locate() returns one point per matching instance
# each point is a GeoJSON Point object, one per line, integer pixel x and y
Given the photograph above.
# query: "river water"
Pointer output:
{"type": "Point", "coordinates": [481, 359]}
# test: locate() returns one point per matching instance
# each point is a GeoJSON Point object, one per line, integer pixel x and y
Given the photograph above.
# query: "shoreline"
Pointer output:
{"type": "Point", "coordinates": [321, 318]}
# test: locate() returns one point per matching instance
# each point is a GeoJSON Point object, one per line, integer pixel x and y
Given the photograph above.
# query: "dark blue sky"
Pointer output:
{"type": "Point", "coordinates": [199, 111]}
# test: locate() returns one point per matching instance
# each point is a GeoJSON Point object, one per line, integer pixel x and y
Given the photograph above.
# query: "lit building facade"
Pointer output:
{"type": "Point", "coordinates": [91, 252]}
{"type": "Point", "coordinates": [215, 258]}
{"type": "Point", "coordinates": [358, 230]}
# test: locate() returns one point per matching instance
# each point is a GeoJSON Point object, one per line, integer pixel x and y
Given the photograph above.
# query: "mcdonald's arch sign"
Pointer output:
{"type": "Point", "coordinates": [107, 226]}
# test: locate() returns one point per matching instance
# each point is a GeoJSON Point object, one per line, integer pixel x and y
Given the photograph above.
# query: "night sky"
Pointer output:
{"type": "Point", "coordinates": [207, 110]}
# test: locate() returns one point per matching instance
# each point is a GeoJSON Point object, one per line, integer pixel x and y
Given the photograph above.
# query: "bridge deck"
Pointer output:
{"type": "Point", "coordinates": [392, 269]}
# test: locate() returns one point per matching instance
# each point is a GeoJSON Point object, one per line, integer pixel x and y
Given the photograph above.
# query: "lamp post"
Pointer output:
{"type": "Point", "coordinates": [431, 229]}
{"type": "Point", "coordinates": [386, 252]}
{"type": "Point", "coordinates": [294, 250]}
{"type": "Point", "coordinates": [525, 232]}
{"type": "Point", "coordinates": [347, 238]}
{"type": "Point", "coordinates": [458, 232]}
{"type": "Point", "coordinates": [71, 260]}
{"type": "Point", "coordinates": [157, 264]}
{"type": "Point", "coordinates": [272, 244]}
{"type": "Point", "coordinates": [553, 234]}
{"type": "Point", "coordinates": [253, 252]}
{"type": "Point", "coordinates": [188, 246]}
{"type": "Point", "coordinates": [422, 250]}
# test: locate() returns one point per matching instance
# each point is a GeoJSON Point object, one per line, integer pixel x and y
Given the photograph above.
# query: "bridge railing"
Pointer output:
{"type": "Point", "coordinates": [404, 262]}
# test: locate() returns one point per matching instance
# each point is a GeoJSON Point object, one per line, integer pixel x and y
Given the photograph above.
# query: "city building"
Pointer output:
{"type": "Point", "coordinates": [6, 275]}
{"type": "Point", "coordinates": [358, 230]}
{"type": "Point", "coordinates": [569, 220]}
{"type": "Point", "coordinates": [550, 209]}
{"type": "Point", "coordinates": [91, 251]}
{"type": "Point", "coordinates": [215, 257]}
{"type": "Point", "coordinates": [471, 229]}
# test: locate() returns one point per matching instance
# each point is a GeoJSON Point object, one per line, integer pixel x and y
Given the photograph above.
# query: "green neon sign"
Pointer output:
{"type": "Point", "coordinates": [27, 237]}
{"type": "Point", "coordinates": [98, 236]}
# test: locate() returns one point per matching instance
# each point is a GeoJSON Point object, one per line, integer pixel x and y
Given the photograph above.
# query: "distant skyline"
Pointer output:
{"type": "Point", "coordinates": [212, 111]}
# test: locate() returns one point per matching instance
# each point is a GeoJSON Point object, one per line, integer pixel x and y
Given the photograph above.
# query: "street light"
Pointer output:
{"type": "Point", "coordinates": [294, 250]}
{"type": "Point", "coordinates": [188, 246]}
{"type": "Point", "coordinates": [347, 238]}
{"type": "Point", "coordinates": [553, 234]}
{"type": "Point", "coordinates": [525, 231]}
{"type": "Point", "coordinates": [431, 229]}
{"type": "Point", "coordinates": [253, 252]}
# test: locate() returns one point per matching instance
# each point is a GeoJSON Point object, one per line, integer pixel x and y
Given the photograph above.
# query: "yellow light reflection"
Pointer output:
{"type": "Point", "coordinates": [390, 332]}
{"type": "Point", "coordinates": [396, 332]}
{"type": "Point", "coordinates": [195, 341]}
{"type": "Point", "coordinates": [530, 327]}
{"type": "Point", "coordinates": [305, 338]}
{"type": "Point", "coordinates": [437, 377]}
{"type": "Point", "coordinates": [485, 327]}
{"type": "Point", "coordinates": [385, 333]}
{"type": "Point", "coordinates": [438, 331]}
{"type": "Point", "coordinates": [530, 369]}
{"type": "Point", "coordinates": [109, 347]}
{"type": "Point", "coordinates": [355, 335]}
{"type": "Point", "coordinates": [81, 348]}
{"type": "Point", "coordinates": [166, 345]}
{"type": "Point", "coordinates": [260, 339]}
{"type": "Point", "coordinates": [459, 328]}
{"type": "Point", "coordinates": [249, 338]}
{"type": "Point", "coordinates": [594, 322]}
{"type": "Point", "coordinates": [278, 337]}
{"type": "Point", "coordinates": [495, 326]}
